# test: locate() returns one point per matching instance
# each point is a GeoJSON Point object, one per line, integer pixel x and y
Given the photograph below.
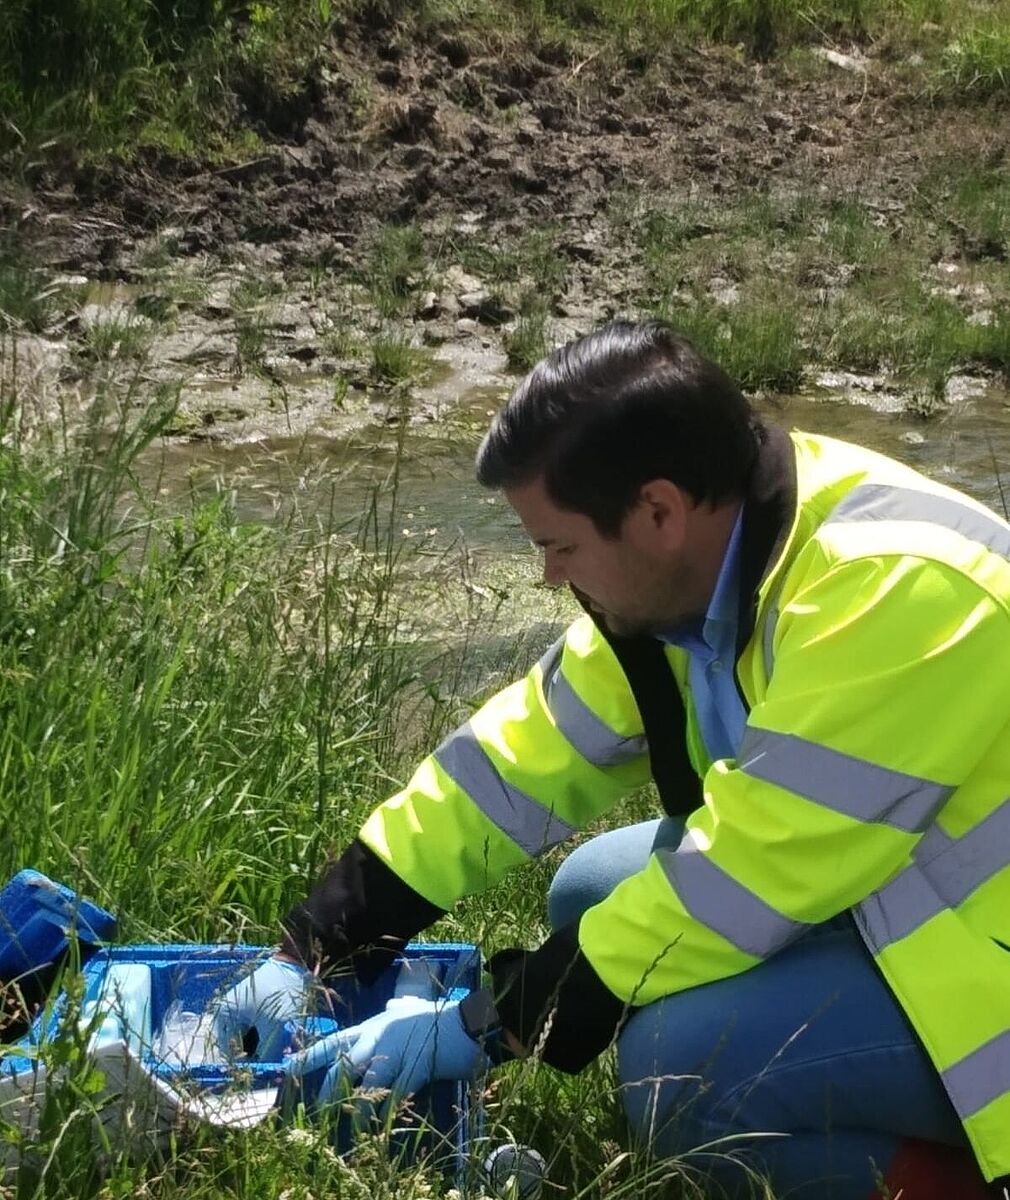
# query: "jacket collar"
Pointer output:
{"type": "Point", "coordinates": [769, 512]}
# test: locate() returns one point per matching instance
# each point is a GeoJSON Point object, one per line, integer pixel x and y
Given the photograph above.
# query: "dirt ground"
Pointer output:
{"type": "Point", "coordinates": [393, 131]}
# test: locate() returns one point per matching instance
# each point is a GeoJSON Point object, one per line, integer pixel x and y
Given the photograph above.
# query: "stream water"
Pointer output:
{"type": "Point", "coordinates": [968, 446]}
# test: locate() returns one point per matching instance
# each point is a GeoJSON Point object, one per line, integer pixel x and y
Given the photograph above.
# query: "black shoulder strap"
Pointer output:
{"type": "Point", "coordinates": [663, 716]}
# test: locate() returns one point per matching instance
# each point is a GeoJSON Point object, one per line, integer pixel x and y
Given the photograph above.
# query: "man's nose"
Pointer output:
{"type": "Point", "coordinates": [554, 574]}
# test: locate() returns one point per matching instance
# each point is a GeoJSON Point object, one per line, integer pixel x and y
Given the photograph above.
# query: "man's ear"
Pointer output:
{"type": "Point", "coordinates": [661, 514]}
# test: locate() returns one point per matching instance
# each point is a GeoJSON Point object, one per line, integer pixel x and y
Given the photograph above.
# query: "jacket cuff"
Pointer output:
{"type": "Point", "coordinates": [357, 918]}
{"type": "Point", "coordinates": [553, 1001]}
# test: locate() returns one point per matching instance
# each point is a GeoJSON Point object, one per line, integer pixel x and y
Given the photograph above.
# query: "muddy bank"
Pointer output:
{"type": "Point", "coordinates": [261, 300]}
{"type": "Point", "coordinates": [400, 130]}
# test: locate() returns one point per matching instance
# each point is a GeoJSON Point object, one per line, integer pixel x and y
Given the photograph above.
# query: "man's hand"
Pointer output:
{"type": "Point", "coordinates": [412, 1043]}
{"type": "Point", "coordinates": [277, 991]}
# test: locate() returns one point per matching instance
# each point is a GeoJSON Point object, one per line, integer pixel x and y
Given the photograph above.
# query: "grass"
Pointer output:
{"type": "Point", "coordinates": [514, 266]}
{"type": "Point", "coordinates": [86, 78]}
{"type": "Point", "coordinates": [90, 78]}
{"type": "Point", "coordinates": [252, 292]}
{"type": "Point", "coordinates": [975, 202]}
{"type": "Point", "coordinates": [196, 711]}
{"type": "Point", "coordinates": [530, 339]}
{"type": "Point", "coordinates": [395, 268]}
{"type": "Point", "coordinates": [251, 332]}
{"type": "Point", "coordinates": [28, 300]}
{"type": "Point", "coordinates": [977, 63]}
{"type": "Point", "coordinates": [396, 360]}
{"type": "Point", "coordinates": [775, 284]}
{"type": "Point", "coordinates": [115, 336]}
{"type": "Point", "coordinates": [756, 344]}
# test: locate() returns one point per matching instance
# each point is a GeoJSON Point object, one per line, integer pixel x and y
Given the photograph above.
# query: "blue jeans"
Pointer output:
{"type": "Point", "coordinates": [809, 1047]}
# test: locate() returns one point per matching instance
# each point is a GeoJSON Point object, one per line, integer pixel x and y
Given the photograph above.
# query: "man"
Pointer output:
{"type": "Point", "coordinates": [807, 647]}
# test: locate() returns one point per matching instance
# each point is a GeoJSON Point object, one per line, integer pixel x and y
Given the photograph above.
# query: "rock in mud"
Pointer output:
{"type": "Point", "coordinates": [485, 306]}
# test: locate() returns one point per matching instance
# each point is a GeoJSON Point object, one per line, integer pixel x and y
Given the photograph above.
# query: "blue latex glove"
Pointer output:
{"type": "Point", "coordinates": [275, 992]}
{"type": "Point", "coordinates": [411, 1043]}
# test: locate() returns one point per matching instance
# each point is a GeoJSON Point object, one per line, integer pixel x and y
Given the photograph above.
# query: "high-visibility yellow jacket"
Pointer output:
{"type": "Point", "coordinates": [873, 776]}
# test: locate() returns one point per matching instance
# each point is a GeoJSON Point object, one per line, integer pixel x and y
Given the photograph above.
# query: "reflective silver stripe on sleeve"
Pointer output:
{"type": "Point", "coordinates": [944, 873]}
{"type": "Point", "coordinates": [897, 909]}
{"type": "Point", "coordinates": [723, 904]}
{"type": "Point", "coordinates": [878, 502]}
{"type": "Point", "coordinates": [841, 782]}
{"type": "Point", "coordinates": [534, 828]}
{"type": "Point", "coordinates": [980, 1077]}
{"type": "Point", "coordinates": [587, 733]}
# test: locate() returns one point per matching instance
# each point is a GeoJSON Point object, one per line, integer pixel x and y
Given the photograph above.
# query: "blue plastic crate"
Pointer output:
{"type": "Point", "coordinates": [440, 1121]}
{"type": "Point", "coordinates": [38, 917]}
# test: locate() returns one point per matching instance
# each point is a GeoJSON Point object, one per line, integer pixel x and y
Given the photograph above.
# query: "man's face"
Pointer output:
{"type": "Point", "coordinates": [637, 582]}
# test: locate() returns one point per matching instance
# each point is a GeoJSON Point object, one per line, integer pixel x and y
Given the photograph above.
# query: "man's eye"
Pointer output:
{"type": "Point", "coordinates": [564, 550]}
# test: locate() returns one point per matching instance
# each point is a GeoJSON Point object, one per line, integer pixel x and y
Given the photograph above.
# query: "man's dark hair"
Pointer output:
{"type": "Point", "coordinates": [607, 412]}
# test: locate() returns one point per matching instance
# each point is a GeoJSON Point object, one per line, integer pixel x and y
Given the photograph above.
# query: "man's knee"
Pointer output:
{"type": "Point", "coordinates": [591, 872]}
{"type": "Point", "coordinates": [574, 888]}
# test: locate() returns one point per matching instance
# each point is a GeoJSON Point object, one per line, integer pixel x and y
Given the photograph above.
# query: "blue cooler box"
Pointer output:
{"type": "Point", "coordinates": [144, 1010]}
{"type": "Point", "coordinates": [38, 917]}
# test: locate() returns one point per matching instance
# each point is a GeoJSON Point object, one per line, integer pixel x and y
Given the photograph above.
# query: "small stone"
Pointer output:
{"type": "Point", "coordinates": [724, 291]}
{"type": "Point", "coordinates": [466, 326]}
{"type": "Point", "coordinates": [847, 62]}
{"type": "Point", "coordinates": [428, 306]}
{"type": "Point", "coordinates": [460, 282]}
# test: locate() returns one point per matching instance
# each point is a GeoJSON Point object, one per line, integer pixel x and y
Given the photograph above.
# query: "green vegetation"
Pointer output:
{"type": "Point", "coordinates": [250, 342]}
{"type": "Point", "coordinates": [757, 344]}
{"type": "Point", "coordinates": [115, 337]}
{"type": "Point", "coordinates": [113, 74]}
{"type": "Point", "coordinates": [101, 76]}
{"type": "Point", "coordinates": [778, 283]}
{"type": "Point", "coordinates": [196, 710]}
{"type": "Point", "coordinates": [396, 360]}
{"type": "Point", "coordinates": [252, 299]}
{"type": "Point", "coordinates": [169, 650]}
{"type": "Point", "coordinates": [977, 62]}
{"type": "Point", "coordinates": [28, 300]}
{"type": "Point", "coordinates": [395, 268]}
{"type": "Point", "coordinates": [514, 267]}
{"type": "Point", "coordinates": [529, 341]}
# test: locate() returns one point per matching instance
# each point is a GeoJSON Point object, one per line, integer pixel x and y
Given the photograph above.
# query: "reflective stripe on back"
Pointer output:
{"type": "Point", "coordinates": [846, 784]}
{"type": "Point", "coordinates": [723, 904]}
{"type": "Point", "coordinates": [944, 873]}
{"type": "Point", "coordinates": [520, 817]}
{"type": "Point", "coordinates": [880, 502]}
{"type": "Point", "coordinates": [587, 733]}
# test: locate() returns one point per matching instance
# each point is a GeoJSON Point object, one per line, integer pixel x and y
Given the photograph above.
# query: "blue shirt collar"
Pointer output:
{"type": "Point", "coordinates": [722, 615]}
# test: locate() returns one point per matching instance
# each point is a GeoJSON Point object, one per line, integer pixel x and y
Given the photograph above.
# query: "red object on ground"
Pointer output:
{"type": "Point", "coordinates": [929, 1171]}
